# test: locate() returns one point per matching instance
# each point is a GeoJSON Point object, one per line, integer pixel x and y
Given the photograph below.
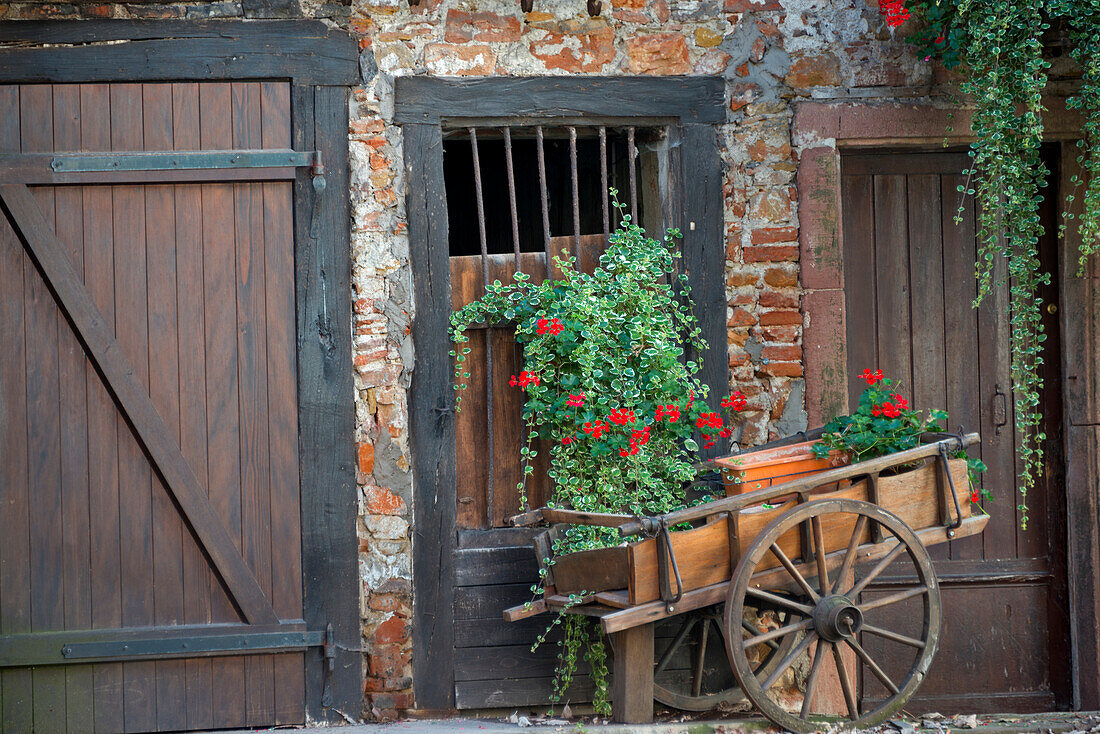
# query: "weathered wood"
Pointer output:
{"type": "Point", "coordinates": [426, 99]}
{"type": "Point", "coordinates": [432, 437]}
{"type": "Point", "coordinates": [652, 611]}
{"type": "Point", "coordinates": [309, 52]}
{"type": "Point", "coordinates": [591, 570]}
{"type": "Point", "coordinates": [481, 694]}
{"type": "Point", "coordinates": [632, 675]}
{"type": "Point", "coordinates": [702, 557]}
{"type": "Point", "coordinates": [326, 415]}
{"type": "Point", "coordinates": [702, 223]}
{"type": "Point", "coordinates": [523, 611]}
{"type": "Point", "coordinates": [477, 566]}
{"type": "Point", "coordinates": [804, 484]}
{"type": "Point", "coordinates": [108, 356]}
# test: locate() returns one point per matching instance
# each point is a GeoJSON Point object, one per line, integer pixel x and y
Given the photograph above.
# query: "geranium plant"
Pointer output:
{"type": "Point", "coordinates": [608, 382]}
{"type": "Point", "coordinates": [884, 423]}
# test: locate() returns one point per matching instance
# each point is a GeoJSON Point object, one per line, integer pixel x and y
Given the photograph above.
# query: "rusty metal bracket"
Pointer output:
{"type": "Point", "coordinates": [945, 470]}
{"type": "Point", "coordinates": [665, 557]}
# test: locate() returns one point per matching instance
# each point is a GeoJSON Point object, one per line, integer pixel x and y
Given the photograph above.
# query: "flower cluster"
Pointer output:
{"type": "Point", "coordinates": [870, 377]}
{"type": "Point", "coordinates": [735, 401]}
{"type": "Point", "coordinates": [575, 401]}
{"type": "Point", "coordinates": [621, 416]}
{"type": "Point", "coordinates": [895, 12]}
{"type": "Point", "coordinates": [554, 326]}
{"type": "Point", "coordinates": [595, 429]}
{"type": "Point", "coordinates": [524, 379]}
{"type": "Point", "coordinates": [670, 413]}
{"type": "Point", "coordinates": [637, 440]}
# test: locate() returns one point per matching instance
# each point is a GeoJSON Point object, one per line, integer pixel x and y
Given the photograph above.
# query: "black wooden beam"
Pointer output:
{"type": "Point", "coordinates": [309, 52]}
{"type": "Point", "coordinates": [326, 404]}
{"type": "Point", "coordinates": [428, 100]}
{"type": "Point", "coordinates": [702, 221]}
{"type": "Point", "coordinates": [432, 430]}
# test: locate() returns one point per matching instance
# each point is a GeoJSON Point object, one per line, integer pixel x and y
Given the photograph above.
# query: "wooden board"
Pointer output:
{"type": "Point", "coordinates": [592, 570]}
{"type": "Point", "coordinates": [703, 554]}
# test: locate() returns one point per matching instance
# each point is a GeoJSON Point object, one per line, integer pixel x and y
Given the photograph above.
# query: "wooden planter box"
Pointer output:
{"type": "Point", "coordinates": [761, 469]}
{"type": "Point", "coordinates": [703, 553]}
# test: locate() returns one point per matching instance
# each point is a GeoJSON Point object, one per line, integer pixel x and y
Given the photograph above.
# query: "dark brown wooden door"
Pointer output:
{"type": "Point", "coordinates": [148, 420]}
{"type": "Point", "coordinates": [909, 286]}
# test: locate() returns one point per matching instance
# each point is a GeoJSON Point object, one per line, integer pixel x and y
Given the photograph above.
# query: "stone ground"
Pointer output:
{"type": "Point", "coordinates": [1049, 723]}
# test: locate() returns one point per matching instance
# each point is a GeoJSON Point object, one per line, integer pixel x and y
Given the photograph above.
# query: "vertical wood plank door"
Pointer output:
{"type": "Point", "coordinates": [149, 483]}
{"type": "Point", "coordinates": [909, 254]}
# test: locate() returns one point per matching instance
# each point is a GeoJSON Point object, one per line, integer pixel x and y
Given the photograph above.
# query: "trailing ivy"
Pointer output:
{"type": "Point", "coordinates": [998, 44]}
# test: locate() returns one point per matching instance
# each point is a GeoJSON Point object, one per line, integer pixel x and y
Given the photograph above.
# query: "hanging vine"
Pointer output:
{"type": "Point", "coordinates": [998, 44]}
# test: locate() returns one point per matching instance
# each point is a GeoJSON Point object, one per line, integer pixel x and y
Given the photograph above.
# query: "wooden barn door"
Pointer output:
{"type": "Point", "coordinates": [909, 286]}
{"type": "Point", "coordinates": [149, 493]}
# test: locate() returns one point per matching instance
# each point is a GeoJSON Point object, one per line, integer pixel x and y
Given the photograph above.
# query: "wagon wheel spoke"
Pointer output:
{"type": "Point", "coordinates": [745, 625]}
{"type": "Point", "coordinates": [789, 660]}
{"type": "Point", "coordinates": [819, 553]}
{"type": "Point", "coordinates": [681, 635]}
{"type": "Point", "coordinates": [697, 674]}
{"type": "Point", "coordinates": [798, 577]}
{"type": "Point", "coordinates": [811, 680]}
{"type": "Point", "coordinates": [776, 633]}
{"type": "Point", "coordinates": [804, 609]}
{"type": "Point", "coordinates": [845, 684]}
{"type": "Point", "coordinates": [894, 598]}
{"type": "Point", "coordinates": [895, 636]}
{"type": "Point", "coordinates": [850, 554]}
{"type": "Point", "coordinates": [870, 663]}
{"type": "Point", "coordinates": [879, 568]}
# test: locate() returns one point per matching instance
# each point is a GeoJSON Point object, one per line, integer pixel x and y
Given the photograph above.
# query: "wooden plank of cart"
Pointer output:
{"type": "Point", "coordinates": [761, 576]}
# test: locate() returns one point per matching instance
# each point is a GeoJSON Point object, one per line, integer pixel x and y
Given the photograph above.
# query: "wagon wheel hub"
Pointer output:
{"type": "Point", "coordinates": [836, 617]}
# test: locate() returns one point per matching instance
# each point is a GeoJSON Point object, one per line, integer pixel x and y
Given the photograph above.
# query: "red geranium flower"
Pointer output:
{"type": "Point", "coordinates": [895, 12]}
{"type": "Point", "coordinates": [524, 379]}
{"type": "Point", "coordinates": [575, 401]}
{"type": "Point", "coordinates": [708, 420]}
{"type": "Point", "coordinates": [567, 440]}
{"type": "Point", "coordinates": [870, 377]}
{"type": "Point", "coordinates": [621, 416]}
{"type": "Point", "coordinates": [900, 401]}
{"type": "Point", "coordinates": [556, 327]}
{"type": "Point", "coordinates": [736, 401]}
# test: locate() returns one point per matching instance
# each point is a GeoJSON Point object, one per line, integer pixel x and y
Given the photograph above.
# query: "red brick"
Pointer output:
{"type": "Point", "coordinates": [387, 602]}
{"type": "Point", "coordinates": [389, 661]}
{"type": "Point", "coordinates": [394, 629]}
{"type": "Point", "coordinates": [770, 253]}
{"type": "Point", "coordinates": [486, 27]}
{"type": "Point", "coordinates": [780, 318]}
{"type": "Point", "coordinates": [738, 359]}
{"type": "Point", "coordinates": [742, 299]}
{"type": "Point", "coordinates": [381, 501]}
{"type": "Point", "coordinates": [460, 59]}
{"type": "Point", "coordinates": [658, 53]}
{"type": "Point", "coordinates": [743, 94]}
{"type": "Point", "coordinates": [741, 317]}
{"type": "Point", "coordinates": [595, 48]}
{"type": "Point", "coordinates": [781, 277]}
{"type": "Point", "coordinates": [783, 354]}
{"type": "Point", "coordinates": [776, 299]}
{"type": "Point", "coordinates": [781, 334]}
{"type": "Point", "coordinates": [741, 6]}
{"type": "Point", "coordinates": [771, 235]}
{"type": "Point", "coordinates": [103, 10]}
{"type": "Point", "coordinates": [366, 458]}
{"type": "Point", "coordinates": [737, 279]}
{"type": "Point", "coordinates": [819, 70]}
{"type": "Point", "coordinates": [782, 369]}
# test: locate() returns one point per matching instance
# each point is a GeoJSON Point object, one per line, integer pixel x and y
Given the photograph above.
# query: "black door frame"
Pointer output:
{"type": "Point", "coordinates": [321, 65]}
{"type": "Point", "coordinates": [691, 106]}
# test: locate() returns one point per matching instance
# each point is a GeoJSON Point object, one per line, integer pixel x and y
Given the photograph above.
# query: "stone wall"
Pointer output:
{"type": "Point", "coordinates": [772, 53]}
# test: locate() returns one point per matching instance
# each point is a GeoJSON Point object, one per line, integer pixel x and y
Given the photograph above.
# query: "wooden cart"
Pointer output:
{"type": "Point", "coordinates": [762, 578]}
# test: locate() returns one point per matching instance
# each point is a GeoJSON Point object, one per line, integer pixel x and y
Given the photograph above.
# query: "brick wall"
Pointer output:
{"type": "Point", "coordinates": [772, 53]}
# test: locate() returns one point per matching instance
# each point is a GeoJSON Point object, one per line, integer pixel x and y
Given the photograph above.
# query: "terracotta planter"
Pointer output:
{"type": "Point", "coordinates": [761, 469]}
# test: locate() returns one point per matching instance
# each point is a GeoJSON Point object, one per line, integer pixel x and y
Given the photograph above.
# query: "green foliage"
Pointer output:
{"type": "Point", "coordinates": [608, 383]}
{"type": "Point", "coordinates": [999, 46]}
{"type": "Point", "coordinates": [606, 380]}
{"type": "Point", "coordinates": [885, 424]}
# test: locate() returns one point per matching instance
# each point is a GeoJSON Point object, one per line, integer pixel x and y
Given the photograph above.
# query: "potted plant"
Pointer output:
{"type": "Point", "coordinates": [884, 423]}
{"type": "Point", "coordinates": [607, 382]}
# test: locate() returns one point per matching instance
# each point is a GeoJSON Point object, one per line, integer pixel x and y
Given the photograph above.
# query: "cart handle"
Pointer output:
{"type": "Point", "coordinates": [799, 485]}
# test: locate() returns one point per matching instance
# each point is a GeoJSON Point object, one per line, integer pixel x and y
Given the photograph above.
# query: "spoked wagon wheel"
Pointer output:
{"type": "Point", "coordinates": [692, 670]}
{"type": "Point", "coordinates": [828, 614]}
